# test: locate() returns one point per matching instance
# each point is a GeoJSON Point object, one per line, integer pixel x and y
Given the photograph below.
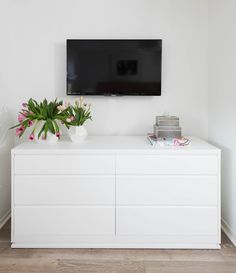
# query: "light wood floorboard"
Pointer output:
{"type": "Point", "coordinates": [115, 260]}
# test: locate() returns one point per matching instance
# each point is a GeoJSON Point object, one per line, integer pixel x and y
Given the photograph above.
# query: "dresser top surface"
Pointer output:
{"type": "Point", "coordinates": [113, 144]}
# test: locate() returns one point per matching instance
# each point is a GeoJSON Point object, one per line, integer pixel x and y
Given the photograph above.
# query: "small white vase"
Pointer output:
{"type": "Point", "coordinates": [51, 138]}
{"type": "Point", "coordinates": [79, 135]}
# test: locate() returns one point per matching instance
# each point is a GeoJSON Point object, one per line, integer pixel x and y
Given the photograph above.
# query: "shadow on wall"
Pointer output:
{"type": "Point", "coordinates": [226, 176]}
{"type": "Point", "coordinates": [227, 186]}
{"type": "Point", "coordinates": [6, 143]}
{"type": "Point", "coordinates": [4, 126]}
{"type": "Point", "coordinates": [60, 70]}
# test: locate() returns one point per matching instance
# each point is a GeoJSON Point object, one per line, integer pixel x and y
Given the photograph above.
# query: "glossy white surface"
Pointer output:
{"type": "Point", "coordinates": [162, 164]}
{"type": "Point", "coordinates": [167, 190]}
{"type": "Point", "coordinates": [61, 189]}
{"type": "Point", "coordinates": [151, 220]}
{"type": "Point", "coordinates": [64, 164]}
{"type": "Point", "coordinates": [119, 190]}
{"type": "Point", "coordinates": [111, 144]}
{"type": "Point", "coordinates": [59, 220]}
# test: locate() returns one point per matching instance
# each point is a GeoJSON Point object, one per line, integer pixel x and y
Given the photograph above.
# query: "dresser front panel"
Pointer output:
{"type": "Point", "coordinates": [146, 220]}
{"type": "Point", "coordinates": [117, 197]}
{"type": "Point", "coordinates": [64, 189]}
{"type": "Point", "coordinates": [64, 164]}
{"type": "Point", "coordinates": [167, 164]}
{"type": "Point", "coordinates": [165, 190]}
{"type": "Point", "coordinates": [61, 220]}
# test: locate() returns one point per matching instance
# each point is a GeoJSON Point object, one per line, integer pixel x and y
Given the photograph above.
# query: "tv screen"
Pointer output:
{"type": "Point", "coordinates": [114, 67]}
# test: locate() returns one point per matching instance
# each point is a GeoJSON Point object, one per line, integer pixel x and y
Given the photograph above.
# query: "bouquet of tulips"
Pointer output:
{"type": "Point", "coordinates": [44, 114]}
{"type": "Point", "coordinates": [78, 113]}
{"type": "Point", "coordinates": [45, 117]}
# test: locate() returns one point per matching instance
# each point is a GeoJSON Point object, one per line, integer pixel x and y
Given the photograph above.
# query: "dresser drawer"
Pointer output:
{"type": "Point", "coordinates": [187, 190]}
{"type": "Point", "coordinates": [30, 221]}
{"type": "Point", "coordinates": [167, 164]}
{"type": "Point", "coordinates": [60, 189]}
{"type": "Point", "coordinates": [137, 220]}
{"type": "Point", "coordinates": [64, 164]}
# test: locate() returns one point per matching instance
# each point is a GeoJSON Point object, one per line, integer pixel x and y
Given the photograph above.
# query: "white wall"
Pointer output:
{"type": "Point", "coordinates": [40, 28]}
{"type": "Point", "coordinates": [32, 61]}
{"type": "Point", "coordinates": [32, 54]}
{"type": "Point", "coordinates": [222, 101]}
{"type": "Point", "coordinates": [6, 142]}
{"type": "Point", "coordinates": [6, 139]}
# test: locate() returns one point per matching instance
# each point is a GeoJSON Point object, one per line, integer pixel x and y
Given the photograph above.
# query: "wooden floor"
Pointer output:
{"type": "Point", "coordinates": [115, 260]}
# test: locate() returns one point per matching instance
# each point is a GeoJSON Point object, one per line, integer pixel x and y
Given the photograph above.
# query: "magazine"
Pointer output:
{"type": "Point", "coordinates": [162, 142]}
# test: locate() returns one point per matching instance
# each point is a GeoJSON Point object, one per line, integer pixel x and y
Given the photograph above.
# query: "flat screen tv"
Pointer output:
{"type": "Point", "coordinates": [114, 67]}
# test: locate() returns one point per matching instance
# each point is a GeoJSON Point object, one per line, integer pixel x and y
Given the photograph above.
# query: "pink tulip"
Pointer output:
{"type": "Point", "coordinates": [21, 117]}
{"type": "Point", "coordinates": [30, 123]}
{"type": "Point", "coordinates": [32, 136]}
{"type": "Point", "coordinates": [25, 112]}
{"type": "Point", "coordinates": [72, 118]}
{"type": "Point", "coordinates": [58, 134]}
{"type": "Point", "coordinates": [19, 130]}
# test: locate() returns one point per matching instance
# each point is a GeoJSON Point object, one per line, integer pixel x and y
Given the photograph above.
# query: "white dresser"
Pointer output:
{"type": "Point", "coordinates": [115, 192]}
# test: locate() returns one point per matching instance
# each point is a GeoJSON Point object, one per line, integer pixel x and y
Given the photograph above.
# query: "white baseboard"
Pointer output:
{"type": "Point", "coordinates": [5, 218]}
{"type": "Point", "coordinates": [228, 231]}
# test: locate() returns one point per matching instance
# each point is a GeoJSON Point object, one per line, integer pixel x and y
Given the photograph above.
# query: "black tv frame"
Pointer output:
{"type": "Point", "coordinates": [116, 93]}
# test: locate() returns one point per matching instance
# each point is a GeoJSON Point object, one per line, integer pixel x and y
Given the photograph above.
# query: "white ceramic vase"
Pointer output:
{"type": "Point", "coordinates": [79, 134]}
{"type": "Point", "coordinates": [51, 138]}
